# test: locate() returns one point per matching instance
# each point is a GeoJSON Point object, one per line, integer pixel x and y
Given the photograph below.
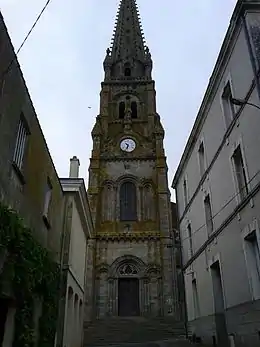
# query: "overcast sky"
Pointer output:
{"type": "Point", "coordinates": [62, 65]}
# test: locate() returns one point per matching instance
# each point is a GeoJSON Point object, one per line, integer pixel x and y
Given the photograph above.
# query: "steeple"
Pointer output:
{"type": "Point", "coordinates": [128, 57]}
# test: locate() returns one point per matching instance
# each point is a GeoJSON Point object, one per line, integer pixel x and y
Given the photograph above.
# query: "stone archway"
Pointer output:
{"type": "Point", "coordinates": [126, 285]}
{"type": "Point", "coordinates": [128, 281]}
{"type": "Point", "coordinates": [128, 291]}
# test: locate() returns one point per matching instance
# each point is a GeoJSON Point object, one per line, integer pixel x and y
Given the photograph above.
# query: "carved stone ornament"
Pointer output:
{"type": "Point", "coordinates": [128, 270]}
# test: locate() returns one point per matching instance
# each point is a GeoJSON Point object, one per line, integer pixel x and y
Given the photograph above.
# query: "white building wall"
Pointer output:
{"type": "Point", "coordinates": [228, 247]}
{"type": "Point", "coordinates": [73, 322]}
{"type": "Point", "coordinates": [75, 300]}
{"type": "Point", "coordinates": [214, 128]}
{"type": "Point", "coordinates": [77, 247]}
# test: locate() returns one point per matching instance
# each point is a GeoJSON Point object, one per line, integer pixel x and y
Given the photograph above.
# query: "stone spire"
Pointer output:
{"type": "Point", "coordinates": [128, 56]}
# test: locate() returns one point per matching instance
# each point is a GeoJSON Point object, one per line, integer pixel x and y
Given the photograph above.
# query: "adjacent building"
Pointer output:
{"type": "Point", "coordinates": [46, 271]}
{"type": "Point", "coordinates": [217, 186]}
{"type": "Point", "coordinates": [29, 183]}
{"type": "Point", "coordinates": [77, 260]}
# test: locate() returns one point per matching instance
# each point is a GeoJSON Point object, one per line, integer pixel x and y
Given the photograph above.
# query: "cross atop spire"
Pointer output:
{"type": "Point", "coordinates": [128, 56]}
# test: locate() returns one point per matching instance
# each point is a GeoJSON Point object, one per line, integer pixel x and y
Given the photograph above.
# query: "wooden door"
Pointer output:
{"type": "Point", "coordinates": [128, 297]}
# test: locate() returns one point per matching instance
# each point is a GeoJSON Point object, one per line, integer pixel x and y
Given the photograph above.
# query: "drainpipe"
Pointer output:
{"type": "Point", "coordinates": [183, 280]}
{"type": "Point", "coordinates": [251, 54]}
{"type": "Point", "coordinates": [60, 325]}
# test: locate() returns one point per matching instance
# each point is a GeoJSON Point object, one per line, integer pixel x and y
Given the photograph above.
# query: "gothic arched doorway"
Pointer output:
{"type": "Point", "coordinates": [126, 284]}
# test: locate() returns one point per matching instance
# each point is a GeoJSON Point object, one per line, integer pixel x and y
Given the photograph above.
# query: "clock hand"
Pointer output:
{"type": "Point", "coordinates": [127, 145]}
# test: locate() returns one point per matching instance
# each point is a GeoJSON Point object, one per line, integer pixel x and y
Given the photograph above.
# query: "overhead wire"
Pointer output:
{"type": "Point", "coordinates": [25, 39]}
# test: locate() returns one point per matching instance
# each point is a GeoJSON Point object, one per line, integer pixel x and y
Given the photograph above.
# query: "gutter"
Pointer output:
{"type": "Point", "coordinates": [182, 272]}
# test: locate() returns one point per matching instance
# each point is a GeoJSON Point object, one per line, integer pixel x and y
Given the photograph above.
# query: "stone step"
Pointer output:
{"type": "Point", "coordinates": [181, 342]}
{"type": "Point", "coordinates": [136, 332]}
{"type": "Point", "coordinates": [113, 331]}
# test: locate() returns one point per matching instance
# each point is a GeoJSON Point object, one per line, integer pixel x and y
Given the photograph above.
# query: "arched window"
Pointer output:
{"type": "Point", "coordinates": [127, 72]}
{"type": "Point", "coordinates": [121, 110]}
{"type": "Point", "coordinates": [128, 210]}
{"type": "Point", "coordinates": [134, 109]}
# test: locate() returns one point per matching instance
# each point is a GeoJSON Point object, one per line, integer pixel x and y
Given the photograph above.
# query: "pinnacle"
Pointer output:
{"type": "Point", "coordinates": [128, 39]}
{"type": "Point", "coordinates": [128, 55]}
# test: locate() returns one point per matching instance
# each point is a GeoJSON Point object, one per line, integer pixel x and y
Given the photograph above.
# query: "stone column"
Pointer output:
{"type": "Point", "coordinates": [71, 320]}
{"type": "Point", "coordinates": [146, 297]}
{"type": "Point", "coordinates": [154, 295]}
{"type": "Point", "coordinates": [141, 299]}
{"type": "Point", "coordinates": [76, 322]}
{"type": "Point", "coordinates": [97, 297]}
{"type": "Point", "coordinates": [160, 296]}
{"type": "Point", "coordinates": [89, 281]}
{"type": "Point", "coordinates": [110, 296]}
{"type": "Point", "coordinates": [168, 284]}
{"type": "Point", "coordinates": [115, 299]}
{"type": "Point", "coordinates": [103, 294]}
{"type": "Point", "coordinates": [169, 274]}
{"type": "Point", "coordinates": [80, 334]}
{"type": "Point", "coordinates": [149, 251]}
{"type": "Point", "coordinates": [141, 203]}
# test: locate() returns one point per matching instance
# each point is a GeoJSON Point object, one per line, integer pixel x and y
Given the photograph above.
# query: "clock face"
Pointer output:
{"type": "Point", "coordinates": [127, 145]}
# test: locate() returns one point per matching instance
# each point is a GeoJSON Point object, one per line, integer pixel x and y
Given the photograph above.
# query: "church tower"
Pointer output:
{"type": "Point", "coordinates": [128, 188]}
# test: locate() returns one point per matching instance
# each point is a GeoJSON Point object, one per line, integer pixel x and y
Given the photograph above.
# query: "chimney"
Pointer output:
{"type": "Point", "coordinates": [74, 167]}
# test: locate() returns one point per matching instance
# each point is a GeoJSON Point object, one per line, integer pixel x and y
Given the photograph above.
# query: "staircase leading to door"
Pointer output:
{"type": "Point", "coordinates": [119, 331]}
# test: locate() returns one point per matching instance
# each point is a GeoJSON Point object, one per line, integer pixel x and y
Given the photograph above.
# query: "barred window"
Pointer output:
{"type": "Point", "coordinates": [128, 210]}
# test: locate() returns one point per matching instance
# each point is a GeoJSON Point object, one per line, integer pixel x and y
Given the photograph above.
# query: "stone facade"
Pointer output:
{"type": "Point", "coordinates": [141, 248]}
{"type": "Point", "coordinates": [217, 189]}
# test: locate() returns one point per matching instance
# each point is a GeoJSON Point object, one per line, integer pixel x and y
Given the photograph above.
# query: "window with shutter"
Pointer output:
{"type": "Point", "coordinates": [128, 210]}
{"type": "Point", "coordinates": [20, 145]}
{"type": "Point", "coordinates": [228, 107]}
{"type": "Point", "coordinates": [208, 214]}
{"type": "Point", "coordinates": [240, 173]}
